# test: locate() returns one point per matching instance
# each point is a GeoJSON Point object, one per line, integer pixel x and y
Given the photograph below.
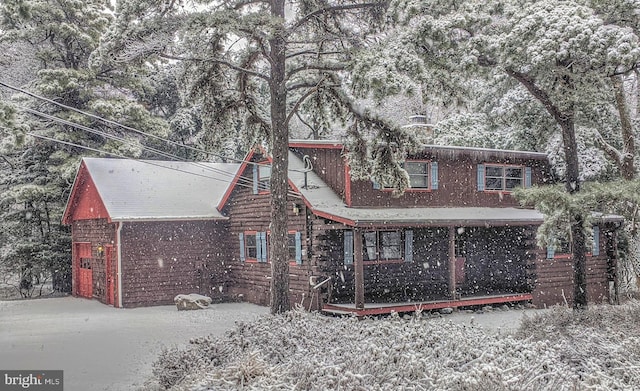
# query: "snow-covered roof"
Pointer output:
{"type": "Point", "coordinates": [325, 202]}
{"type": "Point", "coordinates": [448, 149]}
{"type": "Point", "coordinates": [160, 190]}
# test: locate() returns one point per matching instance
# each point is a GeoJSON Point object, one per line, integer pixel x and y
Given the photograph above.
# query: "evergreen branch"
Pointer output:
{"type": "Point", "coordinates": [315, 67]}
{"type": "Point", "coordinates": [608, 149]}
{"type": "Point", "coordinates": [544, 98]}
{"type": "Point", "coordinates": [336, 8]}
{"type": "Point", "coordinates": [308, 85]}
{"type": "Point", "coordinates": [307, 124]}
{"type": "Point", "coordinates": [218, 61]}
{"type": "Point", "coordinates": [316, 53]}
{"type": "Point", "coordinates": [300, 100]}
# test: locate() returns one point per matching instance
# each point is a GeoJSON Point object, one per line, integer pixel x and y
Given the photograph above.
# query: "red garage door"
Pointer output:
{"type": "Point", "coordinates": [84, 272]}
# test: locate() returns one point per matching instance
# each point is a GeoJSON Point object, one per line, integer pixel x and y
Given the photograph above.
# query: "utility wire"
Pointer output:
{"type": "Point", "coordinates": [150, 162]}
{"type": "Point", "coordinates": [114, 123]}
{"type": "Point", "coordinates": [125, 141]}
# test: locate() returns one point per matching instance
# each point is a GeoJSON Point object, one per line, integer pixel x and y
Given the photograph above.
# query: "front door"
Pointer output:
{"type": "Point", "coordinates": [110, 274]}
{"type": "Point", "coordinates": [84, 272]}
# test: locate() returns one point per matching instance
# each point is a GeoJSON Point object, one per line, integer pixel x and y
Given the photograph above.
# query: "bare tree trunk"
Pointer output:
{"type": "Point", "coordinates": [279, 253]}
{"type": "Point", "coordinates": [626, 163]}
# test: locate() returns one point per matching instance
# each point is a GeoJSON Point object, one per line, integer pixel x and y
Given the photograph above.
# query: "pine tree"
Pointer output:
{"type": "Point", "coordinates": [563, 54]}
{"type": "Point", "coordinates": [41, 153]}
{"type": "Point", "coordinates": [255, 66]}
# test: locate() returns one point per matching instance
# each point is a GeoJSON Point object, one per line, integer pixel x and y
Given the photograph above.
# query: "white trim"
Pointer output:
{"type": "Point", "coordinates": [119, 255]}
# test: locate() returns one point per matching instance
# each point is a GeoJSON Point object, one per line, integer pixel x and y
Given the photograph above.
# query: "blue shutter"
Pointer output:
{"type": "Point", "coordinates": [376, 185]}
{"type": "Point", "coordinates": [527, 177]}
{"type": "Point", "coordinates": [259, 246]}
{"type": "Point", "coordinates": [262, 243]}
{"type": "Point", "coordinates": [551, 251]}
{"type": "Point", "coordinates": [348, 247]}
{"type": "Point", "coordinates": [480, 177]}
{"type": "Point", "coordinates": [298, 248]}
{"type": "Point", "coordinates": [596, 241]}
{"type": "Point", "coordinates": [242, 254]}
{"type": "Point", "coordinates": [255, 179]}
{"type": "Point", "coordinates": [408, 245]}
{"type": "Point", "coordinates": [434, 175]}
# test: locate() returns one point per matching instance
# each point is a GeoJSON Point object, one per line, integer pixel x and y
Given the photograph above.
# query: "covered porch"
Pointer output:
{"type": "Point", "coordinates": [403, 266]}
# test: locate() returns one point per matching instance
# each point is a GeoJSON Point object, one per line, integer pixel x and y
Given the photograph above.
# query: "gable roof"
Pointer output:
{"type": "Point", "coordinates": [137, 190]}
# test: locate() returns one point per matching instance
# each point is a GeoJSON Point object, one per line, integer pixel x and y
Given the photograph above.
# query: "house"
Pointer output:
{"type": "Point", "coordinates": [457, 237]}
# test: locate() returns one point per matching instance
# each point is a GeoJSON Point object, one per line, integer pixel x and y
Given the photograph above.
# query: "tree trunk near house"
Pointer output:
{"type": "Point", "coordinates": [279, 253]}
{"type": "Point", "coordinates": [627, 157]}
{"type": "Point", "coordinates": [565, 119]}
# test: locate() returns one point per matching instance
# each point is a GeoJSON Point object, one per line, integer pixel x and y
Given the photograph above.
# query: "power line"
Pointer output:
{"type": "Point", "coordinates": [247, 182]}
{"type": "Point", "coordinates": [123, 140]}
{"type": "Point", "coordinates": [114, 123]}
{"type": "Point", "coordinates": [150, 162]}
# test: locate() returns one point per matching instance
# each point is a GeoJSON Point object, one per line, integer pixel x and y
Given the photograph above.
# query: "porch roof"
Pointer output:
{"type": "Point", "coordinates": [324, 202]}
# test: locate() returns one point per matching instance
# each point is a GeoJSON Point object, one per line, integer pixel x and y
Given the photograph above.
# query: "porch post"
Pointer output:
{"type": "Point", "coordinates": [452, 262]}
{"type": "Point", "coordinates": [358, 268]}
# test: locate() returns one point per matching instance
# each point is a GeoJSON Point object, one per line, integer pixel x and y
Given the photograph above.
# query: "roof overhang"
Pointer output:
{"type": "Point", "coordinates": [440, 217]}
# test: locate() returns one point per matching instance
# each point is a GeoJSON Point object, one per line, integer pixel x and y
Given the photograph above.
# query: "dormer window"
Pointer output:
{"type": "Point", "coordinates": [261, 177]}
{"type": "Point", "coordinates": [264, 177]}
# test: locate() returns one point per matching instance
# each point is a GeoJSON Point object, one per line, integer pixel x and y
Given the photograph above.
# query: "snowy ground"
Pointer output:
{"type": "Point", "coordinates": [101, 347]}
{"type": "Point", "coordinates": [104, 348]}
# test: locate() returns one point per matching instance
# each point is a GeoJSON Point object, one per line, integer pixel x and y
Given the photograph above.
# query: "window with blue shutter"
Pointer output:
{"type": "Point", "coordinates": [408, 245]}
{"type": "Point", "coordinates": [348, 247]}
{"type": "Point", "coordinates": [434, 175]}
{"type": "Point", "coordinates": [294, 243]}
{"type": "Point", "coordinates": [255, 178]}
{"type": "Point", "coordinates": [242, 250]}
{"type": "Point", "coordinates": [480, 177]}
{"type": "Point", "coordinates": [262, 246]}
{"type": "Point", "coordinates": [550, 251]}
{"type": "Point", "coordinates": [596, 241]}
{"type": "Point", "coordinates": [527, 177]}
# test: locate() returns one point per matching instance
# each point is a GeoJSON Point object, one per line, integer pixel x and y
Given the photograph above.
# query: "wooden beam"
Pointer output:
{"type": "Point", "coordinates": [382, 309]}
{"type": "Point", "coordinates": [358, 268]}
{"type": "Point", "coordinates": [452, 262]}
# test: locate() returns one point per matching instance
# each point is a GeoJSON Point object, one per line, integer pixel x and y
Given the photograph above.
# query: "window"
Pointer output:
{"type": "Point", "coordinates": [291, 245]}
{"type": "Point", "coordinates": [264, 177]}
{"type": "Point", "coordinates": [418, 174]}
{"type": "Point", "coordinates": [503, 178]}
{"type": "Point", "coordinates": [261, 177]}
{"type": "Point", "coordinates": [562, 246]}
{"type": "Point", "coordinates": [381, 246]}
{"type": "Point", "coordinates": [423, 175]}
{"type": "Point", "coordinates": [253, 246]}
{"type": "Point", "coordinates": [85, 263]}
{"type": "Point", "coordinates": [390, 245]}
{"type": "Point", "coordinates": [294, 244]}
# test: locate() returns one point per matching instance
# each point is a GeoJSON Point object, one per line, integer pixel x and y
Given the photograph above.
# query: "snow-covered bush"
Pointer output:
{"type": "Point", "coordinates": [598, 349]}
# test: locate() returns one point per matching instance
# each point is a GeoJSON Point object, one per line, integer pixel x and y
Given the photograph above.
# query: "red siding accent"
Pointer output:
{"type": "Point", "coordinates": [85, 202]}
{"type": "Point", "coordinates": [347, 184]}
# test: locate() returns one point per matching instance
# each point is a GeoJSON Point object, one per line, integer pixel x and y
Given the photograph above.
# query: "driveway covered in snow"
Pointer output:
{"type": "Point", "coordinates": [101, 347]}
